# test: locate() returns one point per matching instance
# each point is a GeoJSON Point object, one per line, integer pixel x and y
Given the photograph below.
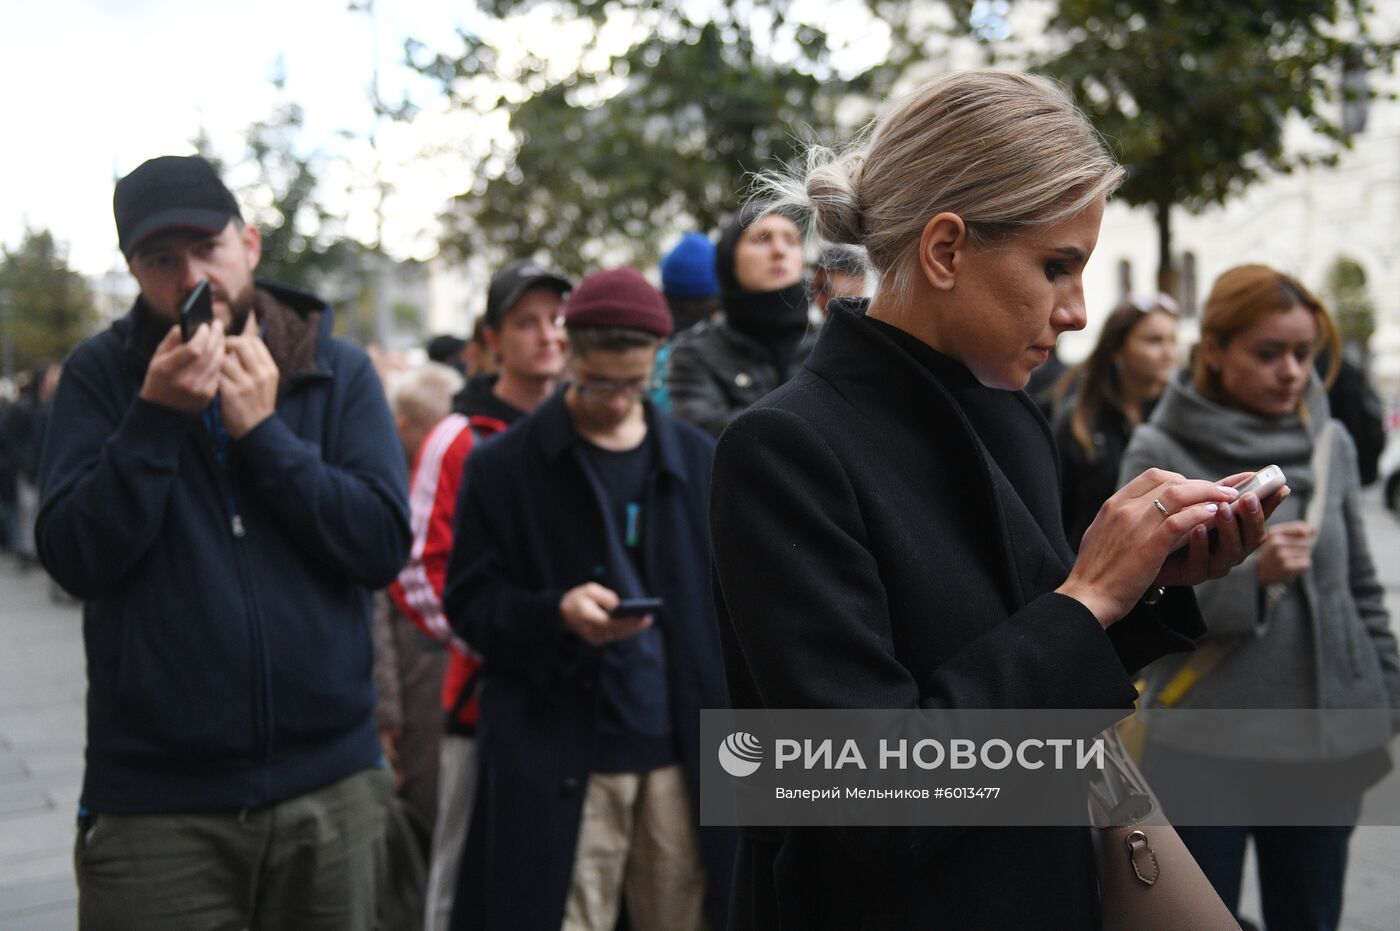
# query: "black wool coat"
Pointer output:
{"type": "Point", "coordinates": [870, 553]}
{"type": "Point", "coordinates": [528, 529]}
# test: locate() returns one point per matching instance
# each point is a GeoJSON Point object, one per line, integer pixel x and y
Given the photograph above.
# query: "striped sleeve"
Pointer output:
{"type": "Point", "coordinates": [432, 505]}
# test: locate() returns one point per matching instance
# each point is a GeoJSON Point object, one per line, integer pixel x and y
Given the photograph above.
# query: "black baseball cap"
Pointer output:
{"type": "Point", "coordinates": [170, 192]}
{"type": "Point", "coordinates": [445, 347]}
{"type": "Point", "coordinates": [512, 281]}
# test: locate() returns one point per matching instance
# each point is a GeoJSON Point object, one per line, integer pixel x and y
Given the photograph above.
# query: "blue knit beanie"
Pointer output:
{"type": "Point", "coordinates": [688, 270]}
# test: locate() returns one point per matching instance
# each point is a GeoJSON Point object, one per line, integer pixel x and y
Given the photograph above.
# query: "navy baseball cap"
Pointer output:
{"type": "Point", "coordinates": [170, 192]}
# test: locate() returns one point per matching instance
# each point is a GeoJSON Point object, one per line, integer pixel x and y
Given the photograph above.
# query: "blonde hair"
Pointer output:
{"type": "Point", "coordinates": [423, 396]}
{"type": "Point", "coordinates": [1002, 150]}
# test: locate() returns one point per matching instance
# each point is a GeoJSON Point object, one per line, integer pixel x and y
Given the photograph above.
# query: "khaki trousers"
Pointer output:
{"type": "Point", "coordinates": [638, 839]}
{"type": "Point", "coordinates": [311, 863]}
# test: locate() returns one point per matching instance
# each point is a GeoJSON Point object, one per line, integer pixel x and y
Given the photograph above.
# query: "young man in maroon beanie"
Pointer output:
{"type": "Point", "coordinates": [590, 712]}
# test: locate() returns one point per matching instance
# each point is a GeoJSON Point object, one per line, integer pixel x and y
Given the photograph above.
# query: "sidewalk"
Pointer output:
{"type": "Point", "coordinates": [42, 688]}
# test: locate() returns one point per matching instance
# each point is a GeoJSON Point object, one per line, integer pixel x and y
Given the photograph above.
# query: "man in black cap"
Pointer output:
{"type": "Point", "coordinates": [524, 329]}
{"type": "Point", "coordinates": [523, 326]}
{"type": "Point", "coordinates": [449, 350]}
{"type": "Point", "coordinates": [223, 504]}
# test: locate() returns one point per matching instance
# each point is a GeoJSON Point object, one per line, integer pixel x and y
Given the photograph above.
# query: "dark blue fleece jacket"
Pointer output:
{"type": "Point", "coordinates": [226, 614]}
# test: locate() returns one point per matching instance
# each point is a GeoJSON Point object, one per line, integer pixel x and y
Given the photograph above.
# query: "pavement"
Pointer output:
{"type": "Point", "coordinates": [42, 689]}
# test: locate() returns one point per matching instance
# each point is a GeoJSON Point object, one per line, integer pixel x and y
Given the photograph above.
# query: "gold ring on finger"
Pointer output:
{"type": "Point", "coordinates": [1157, 503]}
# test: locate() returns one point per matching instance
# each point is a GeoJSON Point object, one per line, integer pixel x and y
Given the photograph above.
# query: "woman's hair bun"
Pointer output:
{"type": "Point", "coordinates": [831, 192]}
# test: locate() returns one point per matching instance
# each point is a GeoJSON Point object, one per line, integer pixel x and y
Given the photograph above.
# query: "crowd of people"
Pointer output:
{"type": "Point", "coordinates": [23, 423]}
{"type": "Point", "coordinates": [427, 647]}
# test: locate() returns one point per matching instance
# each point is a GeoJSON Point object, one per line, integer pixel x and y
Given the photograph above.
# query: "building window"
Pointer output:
{"type": "Point", "coordinates": [1356, 92]}
{"type": "Point", "coordinates": [1125, 279]}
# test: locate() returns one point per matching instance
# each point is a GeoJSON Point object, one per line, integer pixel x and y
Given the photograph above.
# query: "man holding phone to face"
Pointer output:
{"type": "Point", "coordinates": [223, 504]}
{"type": "Point", "coordinates": [580, 573]}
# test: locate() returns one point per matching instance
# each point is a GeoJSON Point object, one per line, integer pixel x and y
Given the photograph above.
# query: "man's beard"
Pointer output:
{"type": "Point", "coordinates": [239, 307]}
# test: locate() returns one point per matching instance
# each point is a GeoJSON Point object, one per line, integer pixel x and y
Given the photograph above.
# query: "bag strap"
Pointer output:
{"type": "Point", "coordinates": [1322, 472]}
{"type": "Point", "coordinates": [1196, 667]}
{"type": "Point", "coordinates": [1209, 656]}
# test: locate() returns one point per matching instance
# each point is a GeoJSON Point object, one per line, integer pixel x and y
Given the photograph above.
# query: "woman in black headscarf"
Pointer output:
{"type": "Point", "coordinates": [718, 369]}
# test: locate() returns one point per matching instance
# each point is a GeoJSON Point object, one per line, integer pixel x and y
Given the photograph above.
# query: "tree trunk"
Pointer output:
{"type": "Point", "coordinates": [1166, 268]}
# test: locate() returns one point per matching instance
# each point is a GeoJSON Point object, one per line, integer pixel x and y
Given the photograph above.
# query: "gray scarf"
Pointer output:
{"type": "Point", "coordinates": [1228, 440]}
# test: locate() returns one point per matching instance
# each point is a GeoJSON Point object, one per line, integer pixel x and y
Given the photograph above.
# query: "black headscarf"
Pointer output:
{"type": "Point", "coordinates": [777, 319]}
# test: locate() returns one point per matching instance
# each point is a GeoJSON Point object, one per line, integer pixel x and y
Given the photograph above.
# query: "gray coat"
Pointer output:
{"type": "Point", "coordinates": [1327, 642]}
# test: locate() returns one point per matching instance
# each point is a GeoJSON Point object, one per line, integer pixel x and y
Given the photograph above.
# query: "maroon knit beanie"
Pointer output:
{"type": "Point", "coordinates": [618, 297]}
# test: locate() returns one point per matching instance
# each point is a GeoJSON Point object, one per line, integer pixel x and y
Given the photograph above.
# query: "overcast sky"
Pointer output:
{"type": "Point", "coordinates": [94, 87]}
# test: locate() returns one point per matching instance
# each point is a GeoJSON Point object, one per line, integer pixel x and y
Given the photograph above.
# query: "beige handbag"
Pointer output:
{"type": "Point", "coordinates": [1148, 880]}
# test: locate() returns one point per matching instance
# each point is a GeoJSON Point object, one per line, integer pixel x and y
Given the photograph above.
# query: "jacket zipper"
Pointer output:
{"type": "Point", "coordinates": [262, 724]}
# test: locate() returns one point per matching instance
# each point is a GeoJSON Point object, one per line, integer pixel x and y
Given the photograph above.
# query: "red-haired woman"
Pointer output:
{"type": "Point", "coordinates": [1300, 624]}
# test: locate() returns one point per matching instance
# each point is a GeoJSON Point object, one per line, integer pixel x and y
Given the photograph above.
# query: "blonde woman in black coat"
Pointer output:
{"type": "Point", "coordinates": [886, 526]}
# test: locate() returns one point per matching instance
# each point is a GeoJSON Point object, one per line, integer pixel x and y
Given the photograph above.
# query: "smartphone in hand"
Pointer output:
{"type": "Point", "coordinates": [197, 308]}
{"type": "Point", "coordinates": [636, 607]}
{"type": "Point", "coordinates": [1264, 483]}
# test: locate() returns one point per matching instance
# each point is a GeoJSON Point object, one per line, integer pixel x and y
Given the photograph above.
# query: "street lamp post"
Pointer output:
{"type": "Point", "coordinates": [380, 271]}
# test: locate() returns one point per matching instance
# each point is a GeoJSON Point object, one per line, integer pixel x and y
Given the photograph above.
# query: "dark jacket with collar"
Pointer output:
{"type": "Point", "coordinates": [715, 372]}
{"type": "Point", "coordinates": [227, 613]}
{"type": "Point", "coordinates": [529, 529]}
{"type": "Point", "coordinates": [858, 502]}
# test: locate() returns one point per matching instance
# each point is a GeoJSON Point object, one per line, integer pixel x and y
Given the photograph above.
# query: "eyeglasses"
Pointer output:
{"type": "Point", "coordinates": [600, 389]}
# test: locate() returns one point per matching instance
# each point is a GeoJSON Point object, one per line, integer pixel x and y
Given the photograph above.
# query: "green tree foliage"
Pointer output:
{"type": "Point", "coordinates": [1196, 95]}
{"type": "Point", "coordinates": [608, 162]}
{"type": "Point", "coordinates": [50, 307]}
{"type": "Point", "coordinates": [284, 201]}
{"type": "Point", "coordinates": [301, 242]}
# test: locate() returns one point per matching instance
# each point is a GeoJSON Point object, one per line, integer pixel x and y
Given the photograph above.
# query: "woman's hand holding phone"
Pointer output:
{"type": "Point", "coordinates": [1156, 531]}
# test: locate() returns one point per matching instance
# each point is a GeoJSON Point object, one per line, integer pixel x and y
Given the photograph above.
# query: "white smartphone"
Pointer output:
{"type": "Point", "coordinates": [1264, 483]}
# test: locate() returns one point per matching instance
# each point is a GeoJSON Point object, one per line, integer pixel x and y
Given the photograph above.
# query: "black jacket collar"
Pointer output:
{"type": "Point", "coordinates": [857, 356]}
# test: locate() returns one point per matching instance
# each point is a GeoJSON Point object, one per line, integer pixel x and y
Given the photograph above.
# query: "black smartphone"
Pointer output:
{"type": "Point", "coordinates": [197, 308]}
{"type": "Point", "coordinates": [636, 607]}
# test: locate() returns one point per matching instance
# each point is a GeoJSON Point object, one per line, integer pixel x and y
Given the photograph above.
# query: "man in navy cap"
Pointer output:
{"type": "Point", "coordinates": [223, 503]}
